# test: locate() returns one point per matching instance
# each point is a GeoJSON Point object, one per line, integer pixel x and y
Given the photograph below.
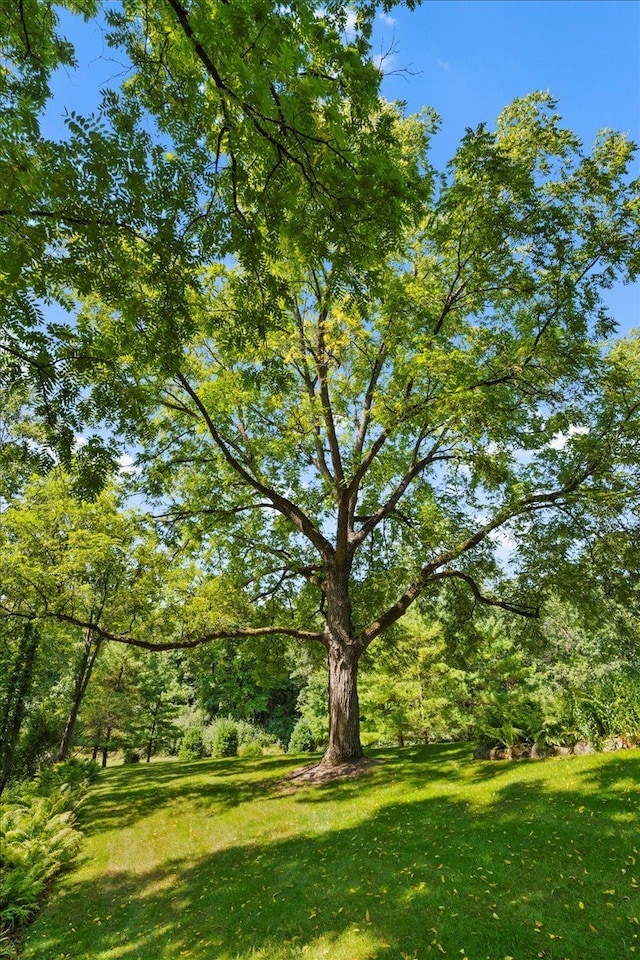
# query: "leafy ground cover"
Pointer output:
{"type": "Point", "coordinates": [429, 854]}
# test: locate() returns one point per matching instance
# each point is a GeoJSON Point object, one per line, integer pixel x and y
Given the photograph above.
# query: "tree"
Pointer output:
{"type": "Point", "coordinates": [231, 121]}
{"type": "Point", "coordinates": [429, 374]}
{"type": "Point", "coordinates": [20, 671]}
{"type": "Point", "coordinates": [381, 438]}
{"type": "Point", "coordinates": [80, 565]}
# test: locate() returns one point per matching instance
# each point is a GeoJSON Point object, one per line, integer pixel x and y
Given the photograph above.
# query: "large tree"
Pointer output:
{"type": "Point", "coordinates": [352, 378]}
{"type": "Point", "coordinates": [396, 426]}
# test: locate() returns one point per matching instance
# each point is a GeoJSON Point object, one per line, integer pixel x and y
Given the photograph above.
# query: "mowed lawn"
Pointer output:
{"type": "Point", "coordinates": [431, 854]}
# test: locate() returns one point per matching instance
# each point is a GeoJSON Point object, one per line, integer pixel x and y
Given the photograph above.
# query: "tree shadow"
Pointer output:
{"type": "Point", "coordinates": [125, 795]}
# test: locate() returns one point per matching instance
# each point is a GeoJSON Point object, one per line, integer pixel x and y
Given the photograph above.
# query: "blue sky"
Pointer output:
{"type": "Point", "coordinates": [468, 59]}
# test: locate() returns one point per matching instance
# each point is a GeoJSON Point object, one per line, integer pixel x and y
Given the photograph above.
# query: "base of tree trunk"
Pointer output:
{"type": "Point", "coordinates": [322, 772]}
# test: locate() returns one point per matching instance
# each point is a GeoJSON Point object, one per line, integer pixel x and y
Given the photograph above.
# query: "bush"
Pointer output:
{"type": "Point", "coordinates": [38, 837]}
{"type": "Point", "coordinates": [302, 739]}
{"type": "Point", "coordinates": [192, 746]}
{"type": "Point", "coordinates": [131, 756]}
{"type": "Point", "coordinates": [74, 773]}
{"type": "Point", "coordinates": [252, 749]}
{"type": "Point", "coordinates": [224, 741]}
{"type": "Point", "coordinates": [608, 706]}
{"type": "Point", "coordinates": [252, 733]}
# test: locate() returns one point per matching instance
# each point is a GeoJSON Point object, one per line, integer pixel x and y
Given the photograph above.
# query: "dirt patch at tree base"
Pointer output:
{"type": "Point", "coordinates": [322, 773]}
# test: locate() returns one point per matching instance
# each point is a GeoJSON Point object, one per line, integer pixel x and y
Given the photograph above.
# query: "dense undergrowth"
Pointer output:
{"type": "Point", "coordinates": [39, 836]}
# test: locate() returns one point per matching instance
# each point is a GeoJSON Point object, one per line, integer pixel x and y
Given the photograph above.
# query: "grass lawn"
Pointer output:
{"type": "Point", "coordinates": [429, 855]}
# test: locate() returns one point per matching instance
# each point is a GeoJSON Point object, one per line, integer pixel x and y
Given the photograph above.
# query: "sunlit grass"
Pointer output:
{"type": "Point", "coordinates": [430, 854]}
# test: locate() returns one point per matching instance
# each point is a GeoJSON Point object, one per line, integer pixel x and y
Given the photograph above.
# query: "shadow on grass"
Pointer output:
{"type": "Point", "coordinates": [125, 795]}
{"type": "Point", "coordinates": [439, 875]}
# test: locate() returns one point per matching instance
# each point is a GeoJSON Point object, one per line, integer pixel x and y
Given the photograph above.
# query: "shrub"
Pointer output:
{"type": "Point", "coordinates": [224, 741]}
{"type": "Point", "coordinates": [38, 837]}
{"type": "Point", "coordinates": [131, 756]}
{"type": "Point", "coordinates": [608, 706]}
{"type": "Point", "coordinates": [302, 739]}
{"type": "Point", "coordinates": [252, 733]}
{"type": "Point", "coordinates": [74, 773]}
{"type": "Point", "coordinates": [252, 749]}
{"type": "Point", "coordinates": [192, 746]}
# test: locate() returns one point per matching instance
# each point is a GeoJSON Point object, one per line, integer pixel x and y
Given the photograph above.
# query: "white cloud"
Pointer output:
{"type": "Point", "coordinates": [126, 464]}
{"type": "Point", "coordinates": [387, 19]}
{"type": "Point", "coordinates": [384, 61]}
{"type": "Point", "coordinates": [350, 27]}
{"type": "Point", "coordinates": [444, 64]}
{"type": "Point", "coordinates": [561, 439]}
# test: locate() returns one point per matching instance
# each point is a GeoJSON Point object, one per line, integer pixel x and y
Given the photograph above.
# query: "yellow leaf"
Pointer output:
{"type": "Point", "coordinates": [367, 916]}
{"type": "Point", "coordinates": [592, 928]}
{"type": "Point", "coordinates": [581, 905]}
{"type": "Point", "coordinates": [495, 916]}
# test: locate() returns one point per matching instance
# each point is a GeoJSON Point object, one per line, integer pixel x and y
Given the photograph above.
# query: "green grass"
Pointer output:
{"type": "Point", "coordinates": [430, 855]}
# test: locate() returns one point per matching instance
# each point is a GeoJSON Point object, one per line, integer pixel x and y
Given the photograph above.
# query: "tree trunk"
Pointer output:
{"type": "Point", "coordinates": [105, 747]}
{"type": "Point", "coordinates": [14, 708]}
{"type": "Point", "coordinates": [153, 731]}
{"type": "Point", "coordinates": [83, 675]}
{"type": "Point", "coordinates": [344, 709]}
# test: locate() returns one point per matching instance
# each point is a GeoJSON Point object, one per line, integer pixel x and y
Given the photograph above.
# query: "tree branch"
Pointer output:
{"type": "Point", "coordinates": [293, 513]}
{"type": "Point", "coordinates": [183, 644]}
{"type": "Point", "coordinates": [522, 609]}
{"type": "Point", "coordinates": [430, 572]}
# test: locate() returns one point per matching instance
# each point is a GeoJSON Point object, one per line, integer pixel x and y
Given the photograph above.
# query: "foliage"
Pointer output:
{"type": "Point", "coordinates": [607, 707]}
{"type": "Point", "coordinates": [192, 746]}
{"type": "Point", "coordinates": [252, 749]}
{"type": "Point", "coordinates": [38, 837]}
{"type": "Point", "coordinates": [413, 691]}
{"type": "Point", "coordinates": [312, 706]}
{"type": "Point", "coordinates": [224, 742]}
{"type": "Point", "coordinates": [302, 739]}
{"type": "Point", "coordinates": [351, 377]}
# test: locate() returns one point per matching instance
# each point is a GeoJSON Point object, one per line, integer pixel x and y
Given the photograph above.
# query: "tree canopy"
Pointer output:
{"type": "Point", "coordinates": [351, 378]}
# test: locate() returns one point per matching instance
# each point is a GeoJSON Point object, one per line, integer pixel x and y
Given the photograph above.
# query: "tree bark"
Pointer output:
{"type": "Point", "coordinates": [344, 709]}
{"type": "Point", "coordinates": [343, 655]}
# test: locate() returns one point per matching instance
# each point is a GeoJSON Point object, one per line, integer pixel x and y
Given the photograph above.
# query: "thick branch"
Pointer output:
{"type": "Point", "coordinates": [182, 644]}
{"type": "Point", "coordinates": [521, 609]}
{"type": "Point", "coordinates": [430, 572]}
{"type": "Point", "coordinates": [293, 513]}
{"type": "Point", "coordinates": [322, 367]}
{"type": "Point", "coordinates": [309, 383]}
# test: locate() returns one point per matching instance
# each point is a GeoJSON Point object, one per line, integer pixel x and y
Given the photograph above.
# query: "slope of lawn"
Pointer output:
{"type": "Point", "coordinates": [431, 854]}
